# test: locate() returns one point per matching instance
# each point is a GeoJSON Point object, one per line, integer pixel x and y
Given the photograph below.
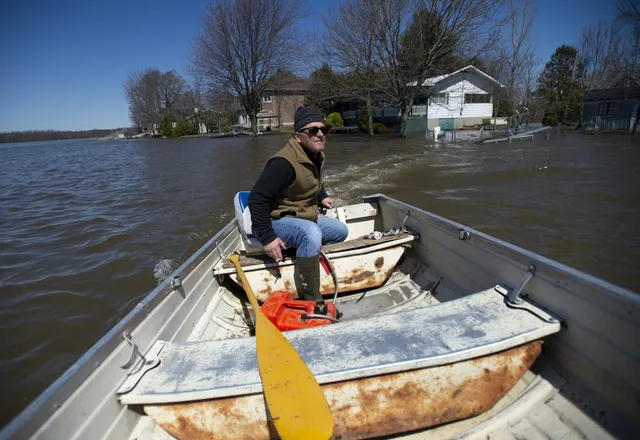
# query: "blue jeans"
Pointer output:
{"type": "Point", "coordinates": [308, 237]}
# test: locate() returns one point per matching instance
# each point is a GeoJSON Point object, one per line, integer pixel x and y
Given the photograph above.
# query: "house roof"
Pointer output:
{"type": "Point", "coordinates": [287, 81]}
{"type": "Point", "coordinates": [612, 94]}
{"type": "Point", "coordinates": [430, 82]}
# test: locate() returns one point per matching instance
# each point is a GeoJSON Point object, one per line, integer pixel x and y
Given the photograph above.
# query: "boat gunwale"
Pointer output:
{"type": "Point", "coordinates": [599, 283]}
{"type": "Point", "coordinates": [31, 418]}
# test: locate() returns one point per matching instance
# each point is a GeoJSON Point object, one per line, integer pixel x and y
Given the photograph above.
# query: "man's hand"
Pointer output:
{"type": "Point", "coordinates": [274, 249]}
{"type": "Point", "coordinates": [328, 202]}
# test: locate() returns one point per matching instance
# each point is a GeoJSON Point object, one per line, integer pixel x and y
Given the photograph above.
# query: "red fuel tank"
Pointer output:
{"type": "Point", "coordinates": [286, 312]}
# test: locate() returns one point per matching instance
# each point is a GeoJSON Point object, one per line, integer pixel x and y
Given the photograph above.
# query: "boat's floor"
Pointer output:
{"type": "Point", "coordinates": [533, 409]}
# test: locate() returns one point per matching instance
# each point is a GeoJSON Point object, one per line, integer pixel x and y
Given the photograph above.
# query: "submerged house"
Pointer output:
{"type": "Point", "coordinates": [457, 99]}
{"type": "Point", "coordinates": [611, 109]}
{"type": "Point", "coordinates": [453, 100]}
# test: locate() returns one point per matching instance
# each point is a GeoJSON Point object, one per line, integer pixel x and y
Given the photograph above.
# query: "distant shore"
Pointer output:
{"type": "Point", "coordinates": [54, 135]}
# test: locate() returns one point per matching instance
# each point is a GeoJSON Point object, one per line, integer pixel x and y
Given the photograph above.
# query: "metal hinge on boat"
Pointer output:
{"type": "Point", "coordinates": [513, 297]}
{"type": "Point", "coordinates": [527, 306]}
{"type": "Point", "coordinates": [146, 363]}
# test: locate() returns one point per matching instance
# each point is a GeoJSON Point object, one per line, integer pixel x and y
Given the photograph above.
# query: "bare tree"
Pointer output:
{"type": "Point", "coordinates": [353, 52]}
{"type": "Point", "coordinates": [496, 65]}
{"type": "Point", "coordinates": [141, 92]}
{"type": "Point", "coordinates": [171, 87]}
{"type": "Point", "coordinates": [519, 47]}
{"type": "Point", "coordinates": [601, 48]}
{"type": "Point", "coordinates": [413, 38]}
{"type": "Point", "coordinates": [630, 62]}
{"type": "Point", "coordinates": [221, 107]}
{"type": "Point", "coordinates": [152, 94]}
{"type": "Point", "coordinates": [629, 13]}
{"type": "Point", "coordinates": [529, 77]}
{"type": "Point", "coordinates": [197, 93]}
{"type": "Point", "coordinates": [192, 101]}
{"type": "Point", "coordinates": [629, 10]}
{"type": "Point", "coordinates": [243, 44]}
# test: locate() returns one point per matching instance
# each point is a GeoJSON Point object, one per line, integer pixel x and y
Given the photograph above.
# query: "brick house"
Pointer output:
{"type": "Point", "coordinates": [279, 102]}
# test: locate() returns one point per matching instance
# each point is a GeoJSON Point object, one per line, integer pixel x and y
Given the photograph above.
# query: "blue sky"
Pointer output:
{"type": "Point", "coordinates": [64, 61]}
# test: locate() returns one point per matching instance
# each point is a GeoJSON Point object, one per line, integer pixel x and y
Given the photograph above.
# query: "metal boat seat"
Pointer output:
{"type": "Point", "coordinates": [474, 326]}
{"type": "Point", "coordinates": [243, 217]}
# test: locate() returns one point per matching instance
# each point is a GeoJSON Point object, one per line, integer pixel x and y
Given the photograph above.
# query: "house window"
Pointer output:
{"type": "Point", "coordinates": [477, 98]}
{"type": "Point", "coordinates": [440, 98]}
{"type": "Point", "coordinates": [607, 109]}
{"type": "Point", "coordinates": [266, 99]}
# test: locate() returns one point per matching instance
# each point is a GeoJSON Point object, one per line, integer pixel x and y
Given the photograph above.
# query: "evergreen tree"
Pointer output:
{"type": "Point", "coordinates": [323, 88]}
{"type": "Point", "coordinates": [166, 129]}
{"type": "Point", "coordinates": [184, 127]}
{"type": "Point", "coordinates": [560, 85]}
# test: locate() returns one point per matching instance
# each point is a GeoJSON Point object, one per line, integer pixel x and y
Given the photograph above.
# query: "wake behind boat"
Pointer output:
{"type": "Point", "coordinates": [445, 332]}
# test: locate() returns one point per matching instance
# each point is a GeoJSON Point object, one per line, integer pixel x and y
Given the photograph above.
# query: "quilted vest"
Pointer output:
{"type": "Point", "coordinates": [300, 199]}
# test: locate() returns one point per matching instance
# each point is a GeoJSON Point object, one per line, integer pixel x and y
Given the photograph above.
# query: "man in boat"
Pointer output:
{"type": "Point", "coordinates": [285, 200]}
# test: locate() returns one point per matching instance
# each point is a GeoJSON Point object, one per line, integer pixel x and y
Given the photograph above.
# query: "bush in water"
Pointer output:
{"type": "Point", "coordinates": [379, 127]}
{"type": "Point", "coordinates": [335, 120]}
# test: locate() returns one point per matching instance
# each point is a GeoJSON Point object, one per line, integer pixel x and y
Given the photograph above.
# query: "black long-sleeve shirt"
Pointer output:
{"type": "Point", "coordinates": [276, 176]}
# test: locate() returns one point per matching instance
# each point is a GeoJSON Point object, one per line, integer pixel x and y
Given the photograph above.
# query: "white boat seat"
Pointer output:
{"type": "Point", "coordinates": [470, 327]}
{"type": "Point", "coordinates": [243, 217]}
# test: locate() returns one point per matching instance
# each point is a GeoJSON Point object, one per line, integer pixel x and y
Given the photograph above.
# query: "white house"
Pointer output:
{"type": "Point", "coordinates": [454, 100]}
{"type": "Point", "coordinates": [457, 99]}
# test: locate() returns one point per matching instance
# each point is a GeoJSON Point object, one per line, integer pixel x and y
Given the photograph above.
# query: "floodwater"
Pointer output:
{"type": "Point", "coordinates": [89, 227]}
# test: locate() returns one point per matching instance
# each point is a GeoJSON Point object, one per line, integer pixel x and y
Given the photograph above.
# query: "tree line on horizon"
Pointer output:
{"type": "Point", "coordinates": [53, 135]}
{"type": "Point", "coordinates": [375, 52]}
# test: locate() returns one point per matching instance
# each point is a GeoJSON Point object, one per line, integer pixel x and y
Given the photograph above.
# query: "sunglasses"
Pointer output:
{"type": "Point", "coordinates": [313, 131]}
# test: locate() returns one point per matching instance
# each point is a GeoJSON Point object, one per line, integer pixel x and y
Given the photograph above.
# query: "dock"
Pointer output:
{"type": "Point", "coordinates": [529, 134]}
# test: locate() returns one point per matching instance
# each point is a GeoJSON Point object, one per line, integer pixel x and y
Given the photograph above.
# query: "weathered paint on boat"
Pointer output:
{"type": "Point", "coordinates": [370, 407]}
{"type": "Point", "coordinates": [354, 272]}
{"type": "Point", "coordinates": [596, 354]}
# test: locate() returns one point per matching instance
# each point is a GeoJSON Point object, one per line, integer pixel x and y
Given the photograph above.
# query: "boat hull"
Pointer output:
{"type": "Point", "coordinates": [596, 353]}
{"type": "Point", "coordinates": [369, 407]}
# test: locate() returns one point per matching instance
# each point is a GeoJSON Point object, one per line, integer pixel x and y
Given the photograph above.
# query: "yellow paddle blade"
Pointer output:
{"type": "Point", "coordinates": [297, 405]}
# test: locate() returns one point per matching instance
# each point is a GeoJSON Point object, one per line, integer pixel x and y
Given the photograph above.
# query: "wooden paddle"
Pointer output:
{"type": "Point", "coordinates": [298, 407]}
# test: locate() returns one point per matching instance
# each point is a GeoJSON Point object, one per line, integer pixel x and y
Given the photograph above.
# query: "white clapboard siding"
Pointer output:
{"type": "Point", "coordinates": [477, 110]}
{"type": "Point", "coordinates": [457, 87]}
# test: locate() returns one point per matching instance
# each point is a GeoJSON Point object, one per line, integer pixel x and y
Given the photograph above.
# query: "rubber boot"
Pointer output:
{"type": "Point", "coordinates": [307, 278]}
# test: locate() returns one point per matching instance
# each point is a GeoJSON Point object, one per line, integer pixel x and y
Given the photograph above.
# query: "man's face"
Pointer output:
{"type": "Point", "coordinates": [310, 139]}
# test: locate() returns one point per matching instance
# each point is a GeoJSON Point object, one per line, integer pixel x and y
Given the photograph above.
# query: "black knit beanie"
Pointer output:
{"type": "Point", "coordinates": [306, 115]}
